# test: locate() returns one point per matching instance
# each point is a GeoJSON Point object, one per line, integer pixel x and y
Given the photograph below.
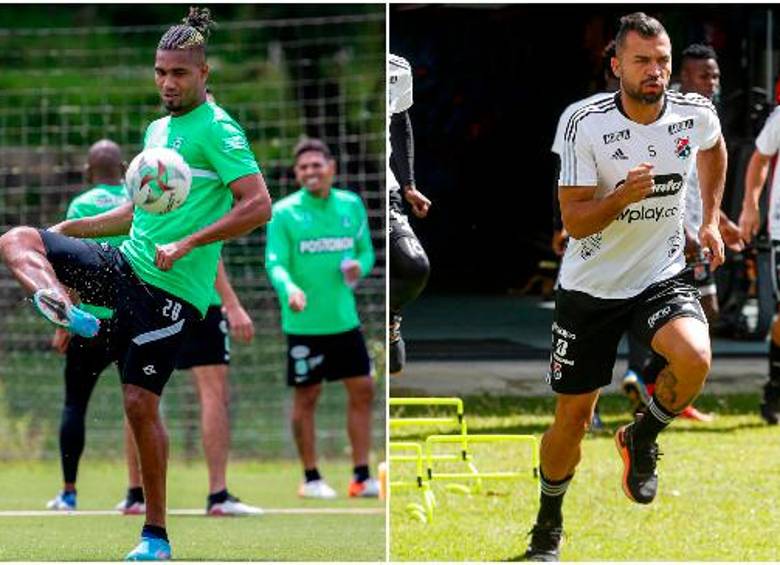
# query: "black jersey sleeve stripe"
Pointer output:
{"type": "Point", "coordinates": [399, 62]}
{"type": "Point", "coordinates": [579, 111]}
{"type": "Point", "coordinates": [570, 140]}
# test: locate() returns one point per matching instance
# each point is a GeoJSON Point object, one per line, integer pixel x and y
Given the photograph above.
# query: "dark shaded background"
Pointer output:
{"type": "Point", "coordinates": [490, 84]}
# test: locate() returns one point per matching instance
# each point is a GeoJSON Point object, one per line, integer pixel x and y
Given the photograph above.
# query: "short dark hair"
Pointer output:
{"type": "Point", "coordinates": [192, 33]}
{"type": "Point", "coordinates": [311, 144]}
{"type": "Point", "coordinates": [699, 52]}
{"type": "Point", "coordinates": [641, 23]}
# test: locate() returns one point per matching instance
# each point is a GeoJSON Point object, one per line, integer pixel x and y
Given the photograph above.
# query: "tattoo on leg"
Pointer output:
{"type": "Point", "coordinates": [666, 393]}
{"type": "Point", "coordinates": [665, 386]}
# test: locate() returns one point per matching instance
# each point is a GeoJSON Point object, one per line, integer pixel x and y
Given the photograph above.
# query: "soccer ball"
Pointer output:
{"type": "Point", "coordinates": [158, 180]}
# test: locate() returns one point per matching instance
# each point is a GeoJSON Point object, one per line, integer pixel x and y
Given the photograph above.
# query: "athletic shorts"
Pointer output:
{"type": "Point", "coordinates": [586, 330]}
{"type": "Point", "coordinates": [208, 342]}
{"type": "Point", "coordinates": [332, 357]}
{"type": "Point", "coordinates": [151, 324]}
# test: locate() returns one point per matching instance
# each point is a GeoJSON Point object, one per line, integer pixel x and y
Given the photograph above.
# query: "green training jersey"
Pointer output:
{"type": "Point", "coordinates": [101, 198]}
{"type": "Point", "coordinates": [308, 238]}
{"type": "Point", "coordinates": [216, 149]}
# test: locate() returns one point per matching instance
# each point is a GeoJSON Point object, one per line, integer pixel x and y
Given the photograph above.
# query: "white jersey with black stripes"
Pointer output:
{"type": "Point", "coordinates": [644, 244]}
{"type": "Point", "coordinates": [399, 99]}
{"type": "Point", "coordinates": [557, 146]}
{"type": "Point", "coordinates": [768, 144]}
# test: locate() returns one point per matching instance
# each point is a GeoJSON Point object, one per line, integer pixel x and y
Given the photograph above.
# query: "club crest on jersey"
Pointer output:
{"type": "Point", "coordinates": [345, 221]}
{"type": "Point", "coordinates": [622, 135]}
{"type": "Point", "coordinates": [177, 143]}
{"type": "Point", "coordinates": [682, 147]}
{"type": "Point", "coordinates": [680, 126]}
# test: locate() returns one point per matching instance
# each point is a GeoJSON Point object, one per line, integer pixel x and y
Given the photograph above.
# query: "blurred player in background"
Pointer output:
{"type": "Point", "coordinates": [206, 352]}
{"type": "Point", "coordinates": [318, 248]}
{"type": "Point", "coordinates": [765, 152]}
{"type": "Point", "coordinates": [87, 358]}
{"type": "Point", "coordinates": [161, 279]}
{"type": "Point", "coordinates": [409, 266]}
{"type": "Point", "coordinates": [623, 169]}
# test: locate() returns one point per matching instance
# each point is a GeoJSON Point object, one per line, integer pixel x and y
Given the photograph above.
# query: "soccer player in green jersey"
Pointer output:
{"type": "Point", "coordinates": [87, 358]}
{"type": "Point", "coordinates": [319, 246]}
{"type": "Point", "coordinates": [161, 279]}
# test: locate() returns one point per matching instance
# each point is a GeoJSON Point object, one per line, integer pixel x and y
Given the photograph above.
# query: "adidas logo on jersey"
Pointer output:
{"type": "Point", "coordinates": [619, 155]}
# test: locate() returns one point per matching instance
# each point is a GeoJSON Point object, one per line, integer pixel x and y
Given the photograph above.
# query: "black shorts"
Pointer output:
{"type": "Point", "coordinates": [586, 330]}
{"type": "Point", "coordinates": [208, 342]}
{"type": "Point", "coordinates": [332, 357]}
{"type": "Point", "coordinates": [151, 324]}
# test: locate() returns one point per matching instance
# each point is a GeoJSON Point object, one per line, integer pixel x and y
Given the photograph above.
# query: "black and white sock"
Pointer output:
{"type": "Point", "coordinates": [655, 419]}
{"type": "Point", "coordinates": [551, 500]}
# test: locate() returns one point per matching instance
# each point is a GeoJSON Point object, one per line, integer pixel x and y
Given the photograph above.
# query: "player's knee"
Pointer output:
{"type": "Point", "coordinates": [138, 405]}
{"type": "Point", "coordinates": [361, 393]}
{"type": "Point", "coordinates": [305, 400]}
{"type": "Point", "coordinates": [691, 361]}
{"type": "Point", "coordinates": [408, 277]}
{"type": "Point", "coordinates": [19, 238]}
{"type": "Point", "coordinates": [574, 418]}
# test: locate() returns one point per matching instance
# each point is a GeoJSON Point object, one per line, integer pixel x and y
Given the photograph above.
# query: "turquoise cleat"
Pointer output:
{"type": "Point", "coordinates": [51, 306]}
{"type": "Point", "coordinates": [150, 549]}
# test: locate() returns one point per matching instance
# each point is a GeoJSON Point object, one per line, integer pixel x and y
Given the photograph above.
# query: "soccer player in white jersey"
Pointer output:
{"type": "Point", "coordinates": [409, 266]}
{"type": "Point", "coordinates": [767, 147]}
{"type": "Point", "coordinates": [623, 176]}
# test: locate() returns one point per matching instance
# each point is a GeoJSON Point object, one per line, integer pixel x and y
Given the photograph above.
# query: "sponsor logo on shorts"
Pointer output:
{"type": "Point", "coordinates": [622, 135]}
{"type": "Point", "coordinates": [326, 245]}
{"type": "Point", "coordinates": [555, 373]}
{"type": "Point", "coordinates": [299, 352]}
{"type": "Point", "coordinates": [680, 126]}
{"type": "Point", "coordinates": [563, 332]}
{"type": "Point", "coordinates": [653, 320]}
{"type": "Point", "coordinates": [647, 214]}
{"type": "Point", "coordinates": [149, 370]}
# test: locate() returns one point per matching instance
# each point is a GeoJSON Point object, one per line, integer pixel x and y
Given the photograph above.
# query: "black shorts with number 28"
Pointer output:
{"type": "Point", "coordinates": [586, 330]}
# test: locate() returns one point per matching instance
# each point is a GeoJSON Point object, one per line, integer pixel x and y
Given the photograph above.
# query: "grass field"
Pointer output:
{"type": "Point", "coordinates": [272, 537]}
{"type": "Point", "coordinates": [718, 494]}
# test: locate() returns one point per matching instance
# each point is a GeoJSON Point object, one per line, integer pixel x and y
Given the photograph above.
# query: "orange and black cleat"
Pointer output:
{"type": "Point", "coordinates": [640, 481]}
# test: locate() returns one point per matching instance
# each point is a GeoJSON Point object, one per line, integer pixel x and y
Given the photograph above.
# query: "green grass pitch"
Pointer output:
{"type": "Point", "coordinates": [271, 537]}
{"type": "Point", "coordinates": [718, 494]}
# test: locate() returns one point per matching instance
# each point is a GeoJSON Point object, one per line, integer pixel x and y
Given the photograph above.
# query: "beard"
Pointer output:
{"type": "Point", "coordinates": [641, 97]}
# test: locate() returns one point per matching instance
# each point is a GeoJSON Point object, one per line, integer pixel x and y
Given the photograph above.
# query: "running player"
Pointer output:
{"type": "Point", "coordinates": [409, 266]}
{"type": "Point", "coordinates": [86, 359]}
{"type": "Point", "coordinates": [319, 246]}
{"type": "Point", "coordinates": [160, 280]}
{"type": "Point", "coordinates": [766, 150]}
{"type": "Point", "coordinates": [623, 177]}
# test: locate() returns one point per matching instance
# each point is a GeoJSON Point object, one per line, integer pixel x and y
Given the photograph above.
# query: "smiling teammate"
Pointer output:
{"type": "Point", "coordinates": [622, 185]}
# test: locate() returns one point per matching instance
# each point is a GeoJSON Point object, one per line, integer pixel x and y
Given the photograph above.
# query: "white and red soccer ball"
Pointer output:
{"type": "Point", "coordinates": [158, 180]}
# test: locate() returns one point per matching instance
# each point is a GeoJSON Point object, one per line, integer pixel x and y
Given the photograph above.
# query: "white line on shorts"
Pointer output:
{"type": "Point", "coordinates": [190, 512]}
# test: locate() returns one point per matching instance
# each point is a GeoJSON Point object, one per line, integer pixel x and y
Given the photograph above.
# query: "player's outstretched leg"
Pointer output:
{"type": "Point", "coordinates": [685, 343]}
{"type": "Point", "coordinates": [24, 253]}
{"type": "Point", "coordinates": [559, 455]}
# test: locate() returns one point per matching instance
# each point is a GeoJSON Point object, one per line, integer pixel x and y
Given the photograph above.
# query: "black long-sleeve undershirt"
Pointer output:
{"type": "Point", "coordinates": [402, 148]}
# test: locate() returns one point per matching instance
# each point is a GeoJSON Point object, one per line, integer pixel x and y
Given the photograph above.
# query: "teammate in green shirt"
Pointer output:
{"type": "Point", "coordinates": [319, 246]}
{"type": "Point", "coordinates": [161, 279]}
{"type": "Point", "coordinates": [87, 358]}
